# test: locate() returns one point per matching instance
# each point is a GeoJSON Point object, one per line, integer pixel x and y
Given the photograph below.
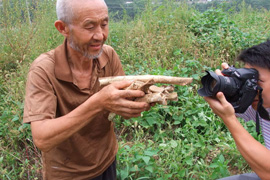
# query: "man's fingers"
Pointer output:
{"type": "Point", "coordinates": [220, 96]}
{"type": "Point", "coordinates": [141, 106]}
{"type": "Point", "coordinates": [218, 72]}
{"type": "Point", "coordinates": [122, 84]}
{"type": "Point", "coordinates": [127, 93]}
{"type": "Point", "coordinates": [130, 112]}
{"type": "Point", "coordinates": [224, 65]}
{"type": "Point", "coordinates": [128, 116]}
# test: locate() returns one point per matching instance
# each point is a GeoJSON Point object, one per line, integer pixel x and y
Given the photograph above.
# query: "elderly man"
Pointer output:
{"type": "Point", "coordinates": [64, 103]}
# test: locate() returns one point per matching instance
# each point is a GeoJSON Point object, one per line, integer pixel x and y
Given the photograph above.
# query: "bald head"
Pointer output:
{"type": "Point", "coordinates": [66, 10]}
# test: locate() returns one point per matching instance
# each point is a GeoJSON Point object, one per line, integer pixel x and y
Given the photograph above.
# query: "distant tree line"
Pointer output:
{"type": "Point", "coordinates": [129, 8]}
{"type": "Point", "coordinates": [119, 8]}
{"type": "Point", "coordinates": [228, 4]}
{"type": "Point", "coordinates": [132, 7]}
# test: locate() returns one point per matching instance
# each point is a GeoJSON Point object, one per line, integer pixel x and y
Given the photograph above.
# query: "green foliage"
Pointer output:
{"type": "Point", "coordinates": [152, 38]}
{"type": "Point", "coordinates": [213, 29]}
{"type": "Point", "coordinates": [18, 155]}
{"type": "Point", "coordinates": [27, 30]}
{"type": "Point", "coordinates": [24, 26]}
{"type": "Point", "coordinates": [120, 8]}
{"type": "Point", "coordinates": [183, 140]}
{"type": "Point", "coordinates": [236, 4]}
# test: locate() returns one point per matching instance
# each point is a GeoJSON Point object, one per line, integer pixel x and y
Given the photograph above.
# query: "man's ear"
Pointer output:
{"type": "Point", "coordinates": [62, 27]}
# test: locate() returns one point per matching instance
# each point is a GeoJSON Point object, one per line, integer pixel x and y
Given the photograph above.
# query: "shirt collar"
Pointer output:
{"type": "Point", "coordinates": [62, 68]}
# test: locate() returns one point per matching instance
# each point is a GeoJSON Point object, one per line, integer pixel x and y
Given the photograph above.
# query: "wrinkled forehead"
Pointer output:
{"type": "Point", "coordinates": [96, 9]}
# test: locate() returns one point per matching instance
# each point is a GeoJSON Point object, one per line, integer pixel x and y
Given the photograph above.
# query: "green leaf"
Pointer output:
{"type": "Point", "coordinates": [146, 159]}
{"type": "Point", "coordinates": [123, 174]}
{"type": "Point", "coordinates": [221, 158]}
{"type": "Point", "coordinates": [189, 161]}
{"type": "Point", "coordinates": [173, 144]}
{"type": "Point", "coordinates": [150, 169]}
{"type": "Point", "coordinates": [182, 173]}
{"type": "Point", "coordinates": [15, 118]}
{"type": "Point", "coordinates": [213, 165]}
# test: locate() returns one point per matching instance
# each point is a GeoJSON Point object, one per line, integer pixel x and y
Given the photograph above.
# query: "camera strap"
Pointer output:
{"type": "Point", "coordinates": [260, 111]}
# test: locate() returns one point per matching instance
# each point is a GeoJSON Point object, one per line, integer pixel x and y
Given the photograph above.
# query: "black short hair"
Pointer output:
{"type": "Point", "coordinates": [258, 55]}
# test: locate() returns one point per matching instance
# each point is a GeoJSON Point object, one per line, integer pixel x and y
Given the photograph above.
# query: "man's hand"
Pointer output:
{"type": "Point", "coordinates": [224, 66]}
{"type": "Point", "coordinates": [221, 106]}
{"type": "Point", "coordinates": [115, 99]}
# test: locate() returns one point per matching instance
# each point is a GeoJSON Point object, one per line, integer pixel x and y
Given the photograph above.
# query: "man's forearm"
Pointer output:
{"type": "Point", "coordinates": [51, 132]}
{"type": "Point", "coordinates": [256, 155]}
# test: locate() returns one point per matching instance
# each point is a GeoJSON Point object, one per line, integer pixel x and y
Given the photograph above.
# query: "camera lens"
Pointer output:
{"type": "Point", "coordinates": [213, 83]}
{"type": "Point", "coordinates": [239, 86]}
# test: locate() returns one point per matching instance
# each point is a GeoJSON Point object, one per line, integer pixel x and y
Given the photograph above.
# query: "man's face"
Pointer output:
{"type": "Point", "coordinates": [264, 82]}
{"type": "Point", "coordinates": [89, 28]}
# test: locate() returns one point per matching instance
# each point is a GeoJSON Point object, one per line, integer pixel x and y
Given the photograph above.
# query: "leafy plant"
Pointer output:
{"type": "Point", "coordinates": [183, 140]}
{"type": "Point", "coordinates": [215, 31]}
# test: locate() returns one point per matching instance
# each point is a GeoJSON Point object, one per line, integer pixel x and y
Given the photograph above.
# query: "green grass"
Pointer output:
{"type": "Point", "coordinates": [183, 140]}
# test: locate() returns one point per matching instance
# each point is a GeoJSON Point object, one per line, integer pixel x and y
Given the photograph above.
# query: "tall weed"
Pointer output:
{"type": "Point", "coordinates": [25, 25]}
{"type": "Point", "coordinates": [153, 37]}
{"type": "Point", "coordinates": [219, 37]}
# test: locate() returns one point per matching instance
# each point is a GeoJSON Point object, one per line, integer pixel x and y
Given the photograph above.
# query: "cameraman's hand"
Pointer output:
{"type": "Point", "coordinates": [224, 66]}
{"type": "Point", "coordinates": [221, 106]}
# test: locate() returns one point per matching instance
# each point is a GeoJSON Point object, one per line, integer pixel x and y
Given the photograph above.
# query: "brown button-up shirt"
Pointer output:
{"type": "Point", "coordinates": [51, 93]}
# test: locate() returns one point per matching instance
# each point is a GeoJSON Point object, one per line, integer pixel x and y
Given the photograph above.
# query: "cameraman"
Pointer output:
{"type": "Point", "coordinates": [256, 154]}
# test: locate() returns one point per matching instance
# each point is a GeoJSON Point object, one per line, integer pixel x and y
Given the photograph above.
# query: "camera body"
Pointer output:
{"type": "Point", "coordinates": [238, 85]}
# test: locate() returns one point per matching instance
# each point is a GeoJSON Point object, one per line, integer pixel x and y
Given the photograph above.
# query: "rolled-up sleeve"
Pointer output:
{"type": "Point", "coordinates": [40, 99]}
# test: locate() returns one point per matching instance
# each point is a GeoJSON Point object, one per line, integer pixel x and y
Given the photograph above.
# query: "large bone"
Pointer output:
{"type": "Point", "coordinates": [145, 83]}
{"type": "Point", "coordinates": [155, 94]}
{"type": "Point", "coordinates": [155, 78]}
